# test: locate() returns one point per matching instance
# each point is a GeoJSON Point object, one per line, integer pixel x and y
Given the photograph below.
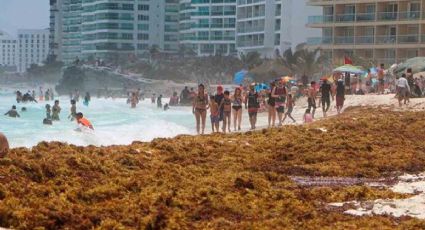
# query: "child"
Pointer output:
{"type": "Point", "coordinates": [308, 118]}
{"type": "Point", "coordinates": [226, 106]}
{"type": "Point", "coordinates": [215, 115]}
{"type": "Point", "coordinates": [55, 111]}
{"type": "Point", "coordinates": [290, 107]}
{"type": "Point", "coordinates": [12, 112]}
{"type": "Point", "coordinates": [48, 112]}
{"type": "Point", "coordinates": [83, 121]}
{"type": "Point", "coordinates": [73, 110]}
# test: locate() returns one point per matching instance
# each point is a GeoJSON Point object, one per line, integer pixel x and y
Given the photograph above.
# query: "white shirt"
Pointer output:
{"type": "Point", "coordinates": [402, 83]}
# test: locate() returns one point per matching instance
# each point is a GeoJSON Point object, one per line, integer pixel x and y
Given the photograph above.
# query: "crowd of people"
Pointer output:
{"type": "Point", "coordinates": [52, 112]}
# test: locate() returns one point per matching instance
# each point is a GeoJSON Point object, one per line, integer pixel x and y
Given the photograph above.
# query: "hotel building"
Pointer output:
{"type": "Point", "coordinates": [263, 26]}
{"type": "Point", "coordinates": [8, 51]}
{"type": "Point", "coordinates": [33, 48]}
{"type": "Point", "coordinates": [383, 31]}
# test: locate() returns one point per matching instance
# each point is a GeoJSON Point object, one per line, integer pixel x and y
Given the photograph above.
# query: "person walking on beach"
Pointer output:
{"type": "Point", "coordinates": [12, 112]}
{"type": "Point", "coordinates": [55, 111]}
{"type": "Point", "coordinates": [279, 93]}
{"type": "Point", "coordinates": [381, 79]}
{"type": "Point", "coordinates": [251, 103]}
{"type": "Point", "coordinates": [403, 89]}
{"type": "Point", "coordinates": [226, 106]}
{"type": "Point", "coordinates": [214, 116]}
{"type": "Point", "coordinates": [325, 90]}
{"type": "Point", "coordinates": [237, 108]}
{"type": "Point", "coordinates": [311, 97]}
{"type": "Point", "coordinates": [340, 95]}
{"type": "Point", "coordinates": [218, 97]}
{"type": "Point", "coordinates": [271, 106]}
{"type": "Point", "coordinates": [199, 108]}
{"type": "Point", "coordinates": [290, 103]}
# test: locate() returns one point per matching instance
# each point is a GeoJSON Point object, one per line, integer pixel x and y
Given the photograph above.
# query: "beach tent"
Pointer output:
{"type": "Point", "coordinates": [349, 69]}
{"type": "Point", "coordinates": [418, 75]}
{"type": "Point", "coordinates": [240, 77]}
{"type": "Point", "coordinates": [417, 65]}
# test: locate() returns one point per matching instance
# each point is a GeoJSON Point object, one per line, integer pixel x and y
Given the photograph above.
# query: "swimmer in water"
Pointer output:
{"type": "Point", "coordinates": [48, 112]}
{"type": "Point", "coordinates": [23, 109]}
{"type": "Point", "coordinates": [81, 120]}
{"type": "Point", "coordinates": [12, 112]}
{"type": "Point", "coordinates": [55, 111]}
{"type": "Point", "coordinates": [73, 110]}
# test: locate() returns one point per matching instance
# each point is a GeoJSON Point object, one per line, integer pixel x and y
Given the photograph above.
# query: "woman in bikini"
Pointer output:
{"type": "Point", "coordinates": [237, 108]}
{"type": "Point", "coordinates": [199, 108]}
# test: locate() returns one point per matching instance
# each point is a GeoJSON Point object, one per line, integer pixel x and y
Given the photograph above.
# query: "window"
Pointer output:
{"type": "Point", "coordinates": [143, 17]}
{"type": "Point", "coordinates": [143, 7]}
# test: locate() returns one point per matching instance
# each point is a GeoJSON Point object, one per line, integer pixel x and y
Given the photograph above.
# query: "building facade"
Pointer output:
{"type": "Point", "coordinates": [208, 27]}
{"type": "Point", "coordinates": [33, 48]}
{"type": "Point", "coordinates": [55, 37]}
{"type": "Point", "coordinates": [109, 28]}
{"type": "Point", "coordinates": [263, 26]}
{"type": "Point", "coordinates": [8, 52]}
{"type": "Point", "coordinates": [383, 31]}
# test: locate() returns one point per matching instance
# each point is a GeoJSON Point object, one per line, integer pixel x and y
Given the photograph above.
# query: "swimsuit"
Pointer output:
{"type": "Point", "coordinates": [200, 104]}
{"type": "Point", "coordinates": [280, 101]}
{"type": "Point", "coordinates": [237, 104]}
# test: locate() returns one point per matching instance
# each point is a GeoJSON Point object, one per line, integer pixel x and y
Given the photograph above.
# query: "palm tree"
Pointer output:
{"type": "Point", "coordinates": [309, 62]}
{"type": "Point", "coordinates": [289, 61]}
{"type": "Point", "coordinates": [251, 59]}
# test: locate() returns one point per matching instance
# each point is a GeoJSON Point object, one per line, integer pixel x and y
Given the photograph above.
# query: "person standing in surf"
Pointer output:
{"type": "Point", "coordinates": [55, 111]}
{"type": "Point", "coordinates": [199, 108]}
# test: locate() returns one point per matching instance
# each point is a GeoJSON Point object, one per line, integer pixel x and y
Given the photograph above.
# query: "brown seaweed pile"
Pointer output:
{"type": "Point", "coordinates": [238, 181]}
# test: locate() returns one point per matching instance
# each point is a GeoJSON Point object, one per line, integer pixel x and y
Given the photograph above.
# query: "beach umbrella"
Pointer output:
{"type": "Point", "coordinates": [240, 77]}
{"type": "Point", "coordinates": [349, 69]}
{"type": "Point", "coordinates": [417, 65]}
{"type": "Point", "coordinates": [418, 75]}
{"type": "Point", "coordinates": [286, 78]}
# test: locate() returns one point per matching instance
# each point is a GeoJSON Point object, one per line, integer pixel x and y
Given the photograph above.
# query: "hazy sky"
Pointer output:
{"type": "Point", "coordinates": [34, 14]}
{"type": "Point", "coordinates": [23, 14]}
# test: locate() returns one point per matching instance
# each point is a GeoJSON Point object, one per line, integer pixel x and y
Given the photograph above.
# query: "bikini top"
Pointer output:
{"type": "Point", "coordinates": [227, 101]}
{"type": "Point", "coordinates": [237, 101]}
{"type": "Point", "coordinates": [201, 101]}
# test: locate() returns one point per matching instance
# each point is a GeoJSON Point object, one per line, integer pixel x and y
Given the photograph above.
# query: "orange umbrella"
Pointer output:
{"type": "Point", "coordinates": [286, 78]}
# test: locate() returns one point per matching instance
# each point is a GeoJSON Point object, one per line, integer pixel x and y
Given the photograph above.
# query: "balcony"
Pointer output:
{"type": "Point", "coordinates": [368, 40]}
{"type": "Point", "coordinates": [365, 17]}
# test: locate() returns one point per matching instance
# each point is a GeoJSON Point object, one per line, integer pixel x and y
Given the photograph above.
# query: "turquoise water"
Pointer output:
{"type": "Point", "coordinates": [114, 122]}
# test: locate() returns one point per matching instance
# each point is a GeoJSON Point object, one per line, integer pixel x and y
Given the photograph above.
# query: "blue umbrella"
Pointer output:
{"type": "Point", "coordinates": [240, 77]}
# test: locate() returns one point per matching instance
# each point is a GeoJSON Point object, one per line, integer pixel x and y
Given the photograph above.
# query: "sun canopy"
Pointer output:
{"type": "Point", "coordinates": [349, 69]}
{"type": "Point", "coordinates": [417, 65]}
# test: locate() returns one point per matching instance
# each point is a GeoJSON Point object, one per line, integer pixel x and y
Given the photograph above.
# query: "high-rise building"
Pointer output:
{"type": "Point", "coordinates": [71, 29]}
{"type": "Point", "coordinates": [384, 31]}
{"type": "Point", "coordinates": [55, 38]}
{"type": "Point", "coordinates": [208, 27]}
{"type": "Point", "coordinates": [33, 48]}
{"type": "Point", "coordinates": [263, 26]}
{"type": "Point", "coordinates": [8, 49]}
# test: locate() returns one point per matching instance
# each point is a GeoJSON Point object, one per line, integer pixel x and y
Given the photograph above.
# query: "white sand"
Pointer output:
{"type": "Point", "coordinates": [413, 206]}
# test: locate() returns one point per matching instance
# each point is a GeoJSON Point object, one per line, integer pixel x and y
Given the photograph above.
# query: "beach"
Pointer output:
{"type": "Point", "coordinates": [234, 181]}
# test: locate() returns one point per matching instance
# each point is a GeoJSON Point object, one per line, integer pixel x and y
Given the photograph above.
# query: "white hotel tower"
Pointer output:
{"type": "Point", "coordinates": [263, 26]}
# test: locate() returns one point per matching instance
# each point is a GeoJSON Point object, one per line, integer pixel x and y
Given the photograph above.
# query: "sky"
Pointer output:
{"type": "Point", "coordinates": [34, 14]}
{"type": "Point", "coordinates": [23, 14]}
